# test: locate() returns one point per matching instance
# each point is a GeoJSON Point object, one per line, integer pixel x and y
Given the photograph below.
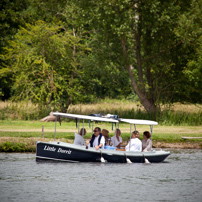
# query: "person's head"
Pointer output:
{"type": "Point", "coordinates": [97, 131]}
{"type": "Point", "coordinates": [135, 134]}
{"type": "Point", "coordinates": [105, 133]}
{"type": "Point", "coordinates": [82, 132]}
{"type": "Point", "coordinates": [118, 132]}
{"type": "Point", "coordinates": [146, 134]}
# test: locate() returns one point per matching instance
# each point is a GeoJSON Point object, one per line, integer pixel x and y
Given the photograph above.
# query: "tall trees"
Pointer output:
{"type": "Point", "coordinates": [142, 35]}
{"type": "Point", "coordinates": [95, 48]}
{"type": "Point", "coordinates": [12, 15]}
{"type": "Point", "coordinates": [91, 76]}
{"type": "Point", "coordinates": [45, 65]}
{"type": "Point", "coordinates": [189, 30]}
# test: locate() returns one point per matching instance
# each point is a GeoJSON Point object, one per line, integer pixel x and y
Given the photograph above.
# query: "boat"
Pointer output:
{"type": "Point", "coordinates": [67, 152]}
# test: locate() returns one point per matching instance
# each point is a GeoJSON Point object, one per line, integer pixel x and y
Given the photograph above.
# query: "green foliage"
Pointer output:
{"type": "Point", "coordinates": [149, 26]}
{"type": "Point", "coordinates": [45, 66]}
{"type": "Point", "coordinates": [71, 51]}
{"type": "Point", "coordinates": [105, 76]}
{"type": "Point", "coordinates": [189, 30]}
{"type": "Point", "coordinates": [13, 14]}
{"type": "Point", "coordinates": [15, 147]}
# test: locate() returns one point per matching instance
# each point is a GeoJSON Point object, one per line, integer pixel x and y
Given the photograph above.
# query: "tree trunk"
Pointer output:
{"type": "Point", "coordinates": [69, 101]}
{"type": "Point", "coordinates": [149, 106]}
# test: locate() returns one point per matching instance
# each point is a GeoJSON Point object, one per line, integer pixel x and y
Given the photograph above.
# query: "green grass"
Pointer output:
{"type": "Point", "coordinates": [169, 138]}
{"type": "Point", "coordinates": [21, 136]}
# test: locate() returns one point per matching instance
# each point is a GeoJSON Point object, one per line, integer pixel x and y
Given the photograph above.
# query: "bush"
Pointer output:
{"type": "Point", "coordinates": [15, 147]}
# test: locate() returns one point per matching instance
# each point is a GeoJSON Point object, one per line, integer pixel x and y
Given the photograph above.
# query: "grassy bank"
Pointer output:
{"type": "Point", "coordinates": [21, 136]}
{"type": "Point", "coordinates": [20, 124]}
{"type": "Point", "coordinates": [177, 114]}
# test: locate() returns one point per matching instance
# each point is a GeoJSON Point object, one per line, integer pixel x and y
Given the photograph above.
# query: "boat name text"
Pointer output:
{"type": "Point", "coordinates": [64, 151]}
{"type": "Point", "coordinates": [53, 149]}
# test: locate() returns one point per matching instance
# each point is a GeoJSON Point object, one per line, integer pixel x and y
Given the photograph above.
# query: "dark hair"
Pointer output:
{"type": "Point", "coordinates": [118, 130]}
{"type": "Point", "coordinates": [147, 134]}
{"type": "Point", "coordinates": [82, 131]}
{"type": "Point", "coordinates": [98, 129]}
{"type": "Point", "coordinates": [136, 133]}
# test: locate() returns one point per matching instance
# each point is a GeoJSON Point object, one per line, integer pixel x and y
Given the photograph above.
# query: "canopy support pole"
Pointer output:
{"type": "Point", "coordinates": [151, 129]}
{"type": "Point", "coordinates": [83, 128]}
{"type": "Point", "coordinates": [135, 127]}
{"type": "Point", "coordinates": [55, 127]}
{"type": "Point", "coordinates": [79, 126]}
{"type": "Point", "coordinates": [115, 129]}
{"type": "Point", "coordinates": [130, 136]}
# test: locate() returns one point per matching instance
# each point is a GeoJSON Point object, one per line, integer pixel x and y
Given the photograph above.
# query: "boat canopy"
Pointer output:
{"type": "Point", "coordinates": [139, 122]}
{"type": "Point", "coordinates": [84, 117]}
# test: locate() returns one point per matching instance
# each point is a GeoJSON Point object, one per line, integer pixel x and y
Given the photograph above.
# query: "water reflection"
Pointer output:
{"type": "Point", "coordinates": [179, 178]}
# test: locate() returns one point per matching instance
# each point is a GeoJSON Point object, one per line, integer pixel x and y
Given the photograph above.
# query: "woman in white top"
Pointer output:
{"type": "Point", "coordinates": [79, 140]}
{"type": "Point", "coordinates": [117, 139]}
{"type": "Point", "coordinates": [146, 142]}
{"type": "Point", "coordinates": [135, 144]}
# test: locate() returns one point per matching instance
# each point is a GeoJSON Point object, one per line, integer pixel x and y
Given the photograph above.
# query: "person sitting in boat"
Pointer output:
{"type": "Point", "coordinates": [97, 139]}
{"type": "Point", "coordinates": [135, 144]}
{"type": "Point", "coordinates": [117, 139]}
{"type": "Point", "coordinates": [146, 142]}
{"type": "Point", "coordinates": [105, 133]}
{"type": "Point", "coordinates": [79, 140]}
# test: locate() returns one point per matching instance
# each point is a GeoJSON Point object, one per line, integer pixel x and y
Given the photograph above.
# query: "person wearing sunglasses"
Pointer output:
{"type": "Point", "coordinates": [97, 139]}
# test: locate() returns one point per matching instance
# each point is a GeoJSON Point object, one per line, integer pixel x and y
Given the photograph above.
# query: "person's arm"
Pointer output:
{"type": "Point", "coordinates": [99, 146]}
{"type": "Point", "coordinates": [120, 143]}
{"type": "Point", "coordinates": [127, 147]}
{"type": "Point", "coordinates": [102, 142]}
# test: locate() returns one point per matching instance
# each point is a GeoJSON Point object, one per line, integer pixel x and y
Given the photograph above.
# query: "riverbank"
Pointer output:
{"type": "Point", "coordinates": [21, 136]}
{"type": "Point", "coordinates": [20, 144]}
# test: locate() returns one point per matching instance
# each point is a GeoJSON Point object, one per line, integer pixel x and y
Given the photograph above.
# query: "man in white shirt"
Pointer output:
{"type": "Point", "coordinates": [135, 144]}
{"type": "Point", "coordinates": [97, 140]}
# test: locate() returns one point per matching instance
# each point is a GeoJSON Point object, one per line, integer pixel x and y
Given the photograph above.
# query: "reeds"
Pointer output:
{"type": "Point", "coordinates": [177, 114]}
{"type": "Point", "coordinates": [21, 111]}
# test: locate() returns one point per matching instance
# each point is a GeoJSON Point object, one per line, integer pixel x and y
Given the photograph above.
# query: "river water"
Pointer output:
{"type": "Point", "coordinates": [179, 178]}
